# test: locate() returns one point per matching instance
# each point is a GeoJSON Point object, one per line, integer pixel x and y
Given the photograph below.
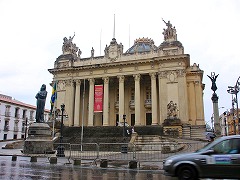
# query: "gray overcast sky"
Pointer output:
{"type": "Point", "coordinates": [31, 37]}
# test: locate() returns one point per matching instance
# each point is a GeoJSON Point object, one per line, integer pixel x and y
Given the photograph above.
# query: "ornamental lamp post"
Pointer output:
{"type": "Point", "coordinates": [217, 128]}
{"type": "Point", "coordinates": [60, 148]}
{"type": "Point", "coordinates": [124, 122]}
{"type": "Point", "coordinates": [234, 91]}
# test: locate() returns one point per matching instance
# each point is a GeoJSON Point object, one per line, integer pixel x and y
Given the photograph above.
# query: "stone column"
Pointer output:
{"type": "Point", "coordinates": [77, 103]}
{"type": "Point", "coordinates": [183, 96]}
{"type": "Point", "coordinates": [69, 101]}
{"type": "Point", "coordinates": [192, 103]}
{"type": "Point", "coordinates": [162, 95]}
{"type": "Point", "coordinates": [154, 98]}
{"type": "Point", "coordinates": [106, 102]}
{"type": "Point", "coordinates": [137, 99]}
{"type": "Point", "coordinates": [91, 102]}
{"type": "Point", "coordinates": [121, 98]}
{"type": "Point", "coordinates": [217, 128]}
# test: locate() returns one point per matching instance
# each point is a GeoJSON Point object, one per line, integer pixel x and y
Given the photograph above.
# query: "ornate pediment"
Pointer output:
{"type": "Point", "coordinates": [114, 50]}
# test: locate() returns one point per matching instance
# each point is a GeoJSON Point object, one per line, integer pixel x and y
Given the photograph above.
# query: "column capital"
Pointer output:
{"type": "Point", "coordinates": [106, 80]}
{"type": "Point", "coordinates": [162, 74]}
{"type": "Point", "coordinates": [153, 75]}
{"type": "Point", "coordinates": [121, 78]}
{"type": "Point", "coordinates": [77, 81]}
{"type": "Point", "coordinates": [136, 77]}
{"type": "Point", "coordinates": [69, 82]}
{"type": "Point", "coordinates": [91, 81]}
{"type": "Point", "coordinates": [181, 73]}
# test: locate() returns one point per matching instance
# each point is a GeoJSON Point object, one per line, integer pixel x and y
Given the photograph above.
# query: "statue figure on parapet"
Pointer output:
{"type": "Point", "coordinates": [41, 99]}
{"type": "Point", "coordinates": [213, 78]}
{"type": "Point", "coordinates": [92, 52]}
{"type": "Point", "coordinates": [170, 32]}
{"type": "Point", "coordinates": [68, 46]}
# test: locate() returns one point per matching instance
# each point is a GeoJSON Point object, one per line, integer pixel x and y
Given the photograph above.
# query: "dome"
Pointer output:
{"type": "Point", "coordinates": [142, 45]}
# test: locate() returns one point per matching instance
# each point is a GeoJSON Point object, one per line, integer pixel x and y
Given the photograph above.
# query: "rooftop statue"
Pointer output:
{"type": "Point", "coordinates": [170, 32]}
{"type": "Point", "coordinates": [68, 46]}
{"type": "Point", "coordinates": [41, 99]}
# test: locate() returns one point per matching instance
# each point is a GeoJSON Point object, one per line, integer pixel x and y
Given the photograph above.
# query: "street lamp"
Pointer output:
{"type": "Point", "coordinates": [212, 121]}
{"type": "Point", "coordinates": [124, 122]}
{"type": "Point", "coordinates": [234, 90]}
{"type": "Point", "coordinates": [60, 148]}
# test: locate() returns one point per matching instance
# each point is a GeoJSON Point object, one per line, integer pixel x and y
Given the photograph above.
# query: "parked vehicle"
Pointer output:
{"type": "Point", "coordinates": [218, 159]}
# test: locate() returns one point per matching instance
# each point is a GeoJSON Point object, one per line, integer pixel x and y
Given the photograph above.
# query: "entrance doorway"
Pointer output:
{"type": "Point", "coordinates": [117, 119]}
{"type": "Point", "coordinates": [148, 118]}
{"type": "Point", "coordinates": [132, 119]}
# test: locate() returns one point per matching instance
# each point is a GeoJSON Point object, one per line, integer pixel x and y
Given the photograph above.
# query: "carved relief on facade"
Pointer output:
{"type": "Point", "coordinates": [62, 64]}
{"type": "Point", "coordinates": [181, 73]}
{"type": "Point", "coordinates": [61, 85]}
{"type": "Point", "coordinates": [69, 82]}
{"type": "Point", "coordinates": [162, 74]}
{"type": "Point", "coordinates": [113, 51]}
{"type": "Point", "coordinates": [171, 75]}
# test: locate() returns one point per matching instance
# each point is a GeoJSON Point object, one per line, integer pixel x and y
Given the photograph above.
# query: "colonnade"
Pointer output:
{"type": "Point", "coordinates": [74, 100]}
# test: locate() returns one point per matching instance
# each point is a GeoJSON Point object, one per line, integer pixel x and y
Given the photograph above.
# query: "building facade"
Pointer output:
{"type": "Point", "coordinates": [150, 84]}
{"type": "Point", "coordinates": [15, 117]}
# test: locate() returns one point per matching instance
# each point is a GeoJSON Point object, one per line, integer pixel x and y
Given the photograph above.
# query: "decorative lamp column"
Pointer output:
{"type": "Point", "coordinates": [60, 148]}
{"type": "Point", "coordinates": [217, 128]}
{"type": "Point", "coordinates": [124, 122]}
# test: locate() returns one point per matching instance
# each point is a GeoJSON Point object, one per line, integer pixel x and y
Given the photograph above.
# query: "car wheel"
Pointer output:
{"type": "Point", "coordinates": [187, 172]}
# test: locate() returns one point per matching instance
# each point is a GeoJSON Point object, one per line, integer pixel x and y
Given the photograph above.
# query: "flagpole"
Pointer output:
{"type": "Point", "coordinates": [82, 114]}
{"type": "Point", "coordinates": [54, 118]}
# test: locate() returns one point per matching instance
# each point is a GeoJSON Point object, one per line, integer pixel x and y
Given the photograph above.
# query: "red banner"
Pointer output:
{"type": "Point", "coordinates": [98, 98]}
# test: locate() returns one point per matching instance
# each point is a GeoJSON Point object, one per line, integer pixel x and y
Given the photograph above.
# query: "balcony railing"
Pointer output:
{"type": "Point", "coordinates": [31, 118]}
{"type": "Point", "coordinates": [148, 104]}
{"type": "Point", "coordinates": [6, 128]}
{"type": "Point", "coordinates": [132, 104]}
{"type": "Point", "coordinates": [7, 113]}
{"type": "Point", "coordinates": [117, 105]}
{"type": "Point", "coordinates": [15, 129]}
{"type": "Point", "coordinates": [17, 116]}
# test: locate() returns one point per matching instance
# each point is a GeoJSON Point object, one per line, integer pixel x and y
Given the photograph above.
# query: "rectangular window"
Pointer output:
{"type": "Point", "coordinates": [6, 126]}
{"type": "Point", "coordinates": [24, 114]}
{"type": "Point", "coordinates": [5, 137]}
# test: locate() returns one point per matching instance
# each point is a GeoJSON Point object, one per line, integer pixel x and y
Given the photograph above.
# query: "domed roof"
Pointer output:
{"type": "Point", "coordinates": [142, 45]}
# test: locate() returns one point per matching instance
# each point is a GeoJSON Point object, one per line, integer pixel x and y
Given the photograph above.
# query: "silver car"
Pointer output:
{"type": "Point", "coordinates": [219, 159]}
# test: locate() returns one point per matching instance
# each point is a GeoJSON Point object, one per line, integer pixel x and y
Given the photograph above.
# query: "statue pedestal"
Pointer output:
{"type": "Point", "coordinates": [39, 140]}
{"type": "Point", "coordinates": [172, 127]}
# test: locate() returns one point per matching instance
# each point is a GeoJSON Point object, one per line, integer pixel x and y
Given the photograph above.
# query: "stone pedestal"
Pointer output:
{"type": "Point", "coordinates": [39, 140]}
{"type": "Point", "coordinates": [172, 127]}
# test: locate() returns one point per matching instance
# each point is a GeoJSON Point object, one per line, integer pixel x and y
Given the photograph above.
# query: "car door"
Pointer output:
{"type": "Point", "coordinates": [224, 162]}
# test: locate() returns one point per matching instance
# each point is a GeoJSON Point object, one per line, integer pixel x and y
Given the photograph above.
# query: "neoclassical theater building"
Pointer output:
{"type": "Point", "coordinates": [150, 84]}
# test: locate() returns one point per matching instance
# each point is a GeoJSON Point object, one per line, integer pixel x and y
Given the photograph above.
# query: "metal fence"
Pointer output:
{"type": "Point", "coordinates": [145, 152]}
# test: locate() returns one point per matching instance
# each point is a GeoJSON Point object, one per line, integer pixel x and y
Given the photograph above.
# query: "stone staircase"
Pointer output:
{"type": "Point", "coordinates": [154, 143]}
